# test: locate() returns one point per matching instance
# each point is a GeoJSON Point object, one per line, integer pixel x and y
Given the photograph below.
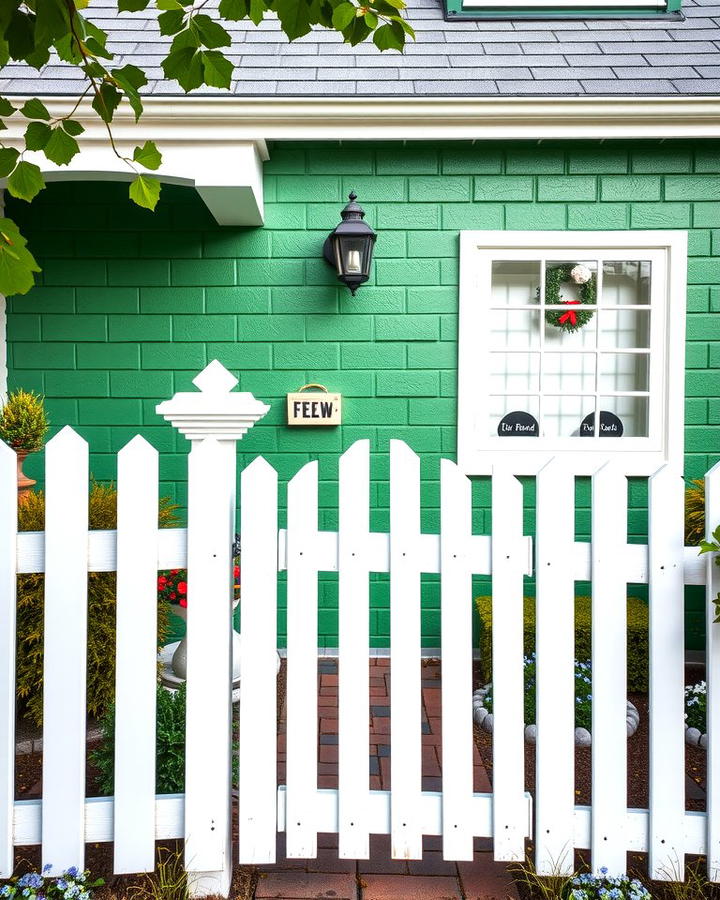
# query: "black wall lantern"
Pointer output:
{"type": "Point", "coordinates": [349, 248]}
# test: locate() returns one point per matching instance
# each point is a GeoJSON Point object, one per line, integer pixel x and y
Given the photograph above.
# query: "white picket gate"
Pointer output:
{"type": "Point", "coordinates": [214, 419]}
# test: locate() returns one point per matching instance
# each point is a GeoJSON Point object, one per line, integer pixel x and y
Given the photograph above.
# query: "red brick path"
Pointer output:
{"type": "Point", "coordinates": [380, 877]}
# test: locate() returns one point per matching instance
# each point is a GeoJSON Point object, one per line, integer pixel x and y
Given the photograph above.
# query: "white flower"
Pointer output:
{"type": "Point", "coordinates": [580, 274]}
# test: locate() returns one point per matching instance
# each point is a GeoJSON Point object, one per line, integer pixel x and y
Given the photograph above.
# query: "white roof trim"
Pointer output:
{"type": "Point", "coordinates": [224, 120]}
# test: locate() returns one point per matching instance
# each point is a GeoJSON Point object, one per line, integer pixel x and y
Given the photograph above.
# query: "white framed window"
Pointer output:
{"type": "Point", "coordinates": [571, 344]}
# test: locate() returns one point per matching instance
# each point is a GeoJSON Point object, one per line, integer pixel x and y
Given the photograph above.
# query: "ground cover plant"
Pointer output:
{"type": "Point", "coordinates": [71, 885]}
{"type": "Point", "coordinates": [583, 693]}
{"type": "Point", "coordinates": [696, 706]}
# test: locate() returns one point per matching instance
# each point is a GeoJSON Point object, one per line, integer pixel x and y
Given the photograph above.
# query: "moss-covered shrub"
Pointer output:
{"type": "Point", "coordinates": [637, 637]}
{"type": "Point", "coordinates": [101, 610]}
{"type": "Point", "coordinates": [23, 423]}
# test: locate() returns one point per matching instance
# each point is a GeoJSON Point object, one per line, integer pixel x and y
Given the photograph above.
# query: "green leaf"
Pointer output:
{"type": "Point", "coordinates": [17, 263]}
{"type": "Point", "coordinates": [168, 4]}
{"type": "Point", "coordinates": [132, 5]}
{"type": "Point", "coordinates": [20, 35]}
{"type": "Point", "coordinates": [61, 147]}
{"type": "Point", "coordinates": [145, 191]}
{"type": "Point", "coordinates": [211, 33]}
{"type": "Point", "coordinates": [6, 107]}
{"type": "Point", "coordinates": [106, 101]}
{"type": "Point", "coordinates": [172, 21]}
{"type": "Point", "coordinates": [35, 109]}
{"type": "Point", "coordinates": [217, 69]}
{"type": "Point", "coordinates": [26, 181]}
{"type": "Point", "coordinates": [385, 38]}
{"type": "Point", "coordinates": [406, 27]}
{"type": "Point", "coordinates": [343, 15]}
{"type": "Point", "coordinates": [371, 20]}
{"type": "Point", "coordinates": [189, 37]}
{"type": "Point", "coordinates": [708, 547]}
{"type": "Point", "coordinates": [7, 8]}
{"type": "Point", "coordinates": [8, 160]}
{"type": "Point", "coordinates": [37, 135]}
{"type": "Point", "coordinates": [185, 66]}
{"type": "Point", "coordinates": [294, 17]}
{"type": "Point", "coordinates": [72, 127]}
{"type": "Point", "coordinates": [131, 79]}
{"type": "Point", "coordinates": [67, 49]}
{"type": "Point", "coordinates": [148, 155]}
{"type": "Point", "coordinates": [257, 11]}
{"type": "Point", "coordinates": [233, 10]}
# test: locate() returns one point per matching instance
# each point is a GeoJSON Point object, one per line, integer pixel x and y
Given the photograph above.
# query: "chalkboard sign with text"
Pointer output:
{"type": "Point", "coordinates": [610, 425]}
{"type": "Point", "coordinates": [518, 424]}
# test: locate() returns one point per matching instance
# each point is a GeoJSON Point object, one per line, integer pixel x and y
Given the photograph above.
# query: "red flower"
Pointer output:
{"type": "Point", "coordinates": [236, 571]}
{"type": "Point", "coordinates": [173, 596]}
{"type": "Point", "coordinates": [182, 601]}
{"type": "Point", "coordinates": [182, 587]}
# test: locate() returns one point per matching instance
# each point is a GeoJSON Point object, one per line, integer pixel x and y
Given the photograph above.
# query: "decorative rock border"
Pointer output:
{"type": "Point", "coordinates": [583, 738]}
{"type": "Point", "coordinates": [695, 738]}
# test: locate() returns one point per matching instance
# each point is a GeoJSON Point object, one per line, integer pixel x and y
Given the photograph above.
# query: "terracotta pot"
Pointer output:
{"type": "Point", "coordinates": [24, 483]}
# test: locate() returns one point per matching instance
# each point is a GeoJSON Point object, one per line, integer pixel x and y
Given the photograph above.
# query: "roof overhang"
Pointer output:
{"type": "Point", "coordinates": [217, 144]}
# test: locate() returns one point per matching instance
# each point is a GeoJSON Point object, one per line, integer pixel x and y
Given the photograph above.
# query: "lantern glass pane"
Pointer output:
{"type": "Point", "coordinates": [354, 254]}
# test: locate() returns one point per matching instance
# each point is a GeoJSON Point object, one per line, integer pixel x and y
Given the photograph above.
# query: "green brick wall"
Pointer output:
{"type": "Point", "coordinates": [131, 304]}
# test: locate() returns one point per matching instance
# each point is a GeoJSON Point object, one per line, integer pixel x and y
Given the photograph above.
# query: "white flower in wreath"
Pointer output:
{"type": "Point", "coordinates": [580, 274]}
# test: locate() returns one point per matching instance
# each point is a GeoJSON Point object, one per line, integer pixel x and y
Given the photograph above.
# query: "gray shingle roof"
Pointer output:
{"type": "Point", "coordinates": [480, 58]}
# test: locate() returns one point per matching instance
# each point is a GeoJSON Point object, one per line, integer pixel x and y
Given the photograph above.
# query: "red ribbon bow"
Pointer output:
{"type": "Point", "coordinates": [570, 316]}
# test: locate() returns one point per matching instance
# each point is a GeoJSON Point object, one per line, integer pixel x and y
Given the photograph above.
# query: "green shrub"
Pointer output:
{"type": "Point", "coordinates": [23, 422]}
{"type": "Point", "coordinates": [637, 637]}
{"type": "Point", "coordinates": [170, 743]}
{"type": "Point", "coordinates": [101, 610]}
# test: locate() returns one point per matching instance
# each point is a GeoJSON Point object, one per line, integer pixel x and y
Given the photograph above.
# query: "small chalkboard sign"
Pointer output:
{"type": "Point", "coordinates": [518, 424]}
{"type": "Point", "coordinates": [610, 425]}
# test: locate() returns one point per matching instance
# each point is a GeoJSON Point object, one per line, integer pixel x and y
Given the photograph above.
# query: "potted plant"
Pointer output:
{"type": "Point", "coordinates": [23, 425]}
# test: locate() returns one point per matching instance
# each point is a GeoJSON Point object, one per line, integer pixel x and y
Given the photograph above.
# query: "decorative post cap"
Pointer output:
{"type": "Point", "coordinates": [215, 410]}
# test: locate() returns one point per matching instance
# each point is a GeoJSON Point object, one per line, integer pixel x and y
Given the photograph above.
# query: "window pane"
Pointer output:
{"type": "Point", "coordinates": [632, 412]}
{"type": "Point", "coordinates": [626, 283]}
{"type": "Point", "coordinates": [514, 328]}
{"type": "Point", "coordinates": [515, 282]}
{"type": "Point", "coordinates": [567, 280]}
{"type": "Point", "coordinates": [516, 373]}
{"type": "Point", "coordinates": [624, 371]}
{"type": "Point", "coordinates": [624, 328]}
{"type": "Point", "coordinates": [500, 407]}
{"type": "Point", "coordinates": [557, 338]}
{"type": "Point", "coordinates": [568, 371]}
{"type": "Point", "coordinates": [562, 415]}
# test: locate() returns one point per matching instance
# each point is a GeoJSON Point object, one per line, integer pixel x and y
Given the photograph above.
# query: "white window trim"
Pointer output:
{"type": "Point", "coordinates": [526, 456]}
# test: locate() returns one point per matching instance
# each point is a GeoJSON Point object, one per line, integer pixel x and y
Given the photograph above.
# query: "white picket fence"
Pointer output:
{"type": "Point", "coordinates": [214, 419]}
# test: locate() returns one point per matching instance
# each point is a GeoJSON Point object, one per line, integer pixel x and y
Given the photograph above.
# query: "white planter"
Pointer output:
{"type": "Point", "coordinates": [583, 738]}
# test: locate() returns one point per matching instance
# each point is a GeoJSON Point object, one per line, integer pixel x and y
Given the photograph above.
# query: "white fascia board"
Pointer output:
{"type": "Point", "coordinates": [225, 170]}
{"type": "Point", "coordinates": [201, 122]}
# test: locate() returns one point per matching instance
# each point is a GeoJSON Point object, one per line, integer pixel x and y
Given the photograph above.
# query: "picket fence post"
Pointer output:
{"type": "Point", "coordinates": [8, 579]}
{"type": "Point", "coordinates": [213, 419]}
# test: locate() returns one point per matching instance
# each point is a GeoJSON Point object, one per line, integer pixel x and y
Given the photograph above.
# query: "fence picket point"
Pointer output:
{"type": "Point", "coordinates": [302, 669]}
{"type": "Point", "coordinates": [609, 673]}
{"type": "Point", "coordinates": [555, 643]}
{"type": "Point", "coordinates": [257, 787]}
{"type": "Point", "coordinates": [136, 657]}
{"type": "Point", "coordinates": [667, 674]}
{"type": "Point", "coordinates": [405, 640]}
{"type": "Point", "coordinates": [8, 581]}
{"type": "Point", "coordinates": [508, 563]}
{"type": "Point", "coordinates": [354, 643]}
{"type": "Point", "coordinates": [65, 649]}
{"type": "Point", "coordinates": [712, 677]}
{"type": "Point", "coordinates": [456, 640]}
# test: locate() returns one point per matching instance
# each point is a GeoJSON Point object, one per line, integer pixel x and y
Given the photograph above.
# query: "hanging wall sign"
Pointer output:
{"type": "Point", "coordinates": [518, 424]}
{"type": "Point", "coordinates": [610, 425]}
{"type": "Point", "coordinates": [314, 407]}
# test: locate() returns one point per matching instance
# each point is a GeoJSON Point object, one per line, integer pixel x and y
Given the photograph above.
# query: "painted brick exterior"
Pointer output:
{"type": "Point", "coordinates": [131, 304]}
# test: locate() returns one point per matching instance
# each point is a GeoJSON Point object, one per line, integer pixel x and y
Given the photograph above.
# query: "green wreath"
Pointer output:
{"type": "Point", "coordinates": [575, 318]}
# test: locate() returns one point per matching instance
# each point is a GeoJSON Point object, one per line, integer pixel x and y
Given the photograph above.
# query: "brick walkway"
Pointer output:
{"type": "Point", "coordinates": [381, 878]}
